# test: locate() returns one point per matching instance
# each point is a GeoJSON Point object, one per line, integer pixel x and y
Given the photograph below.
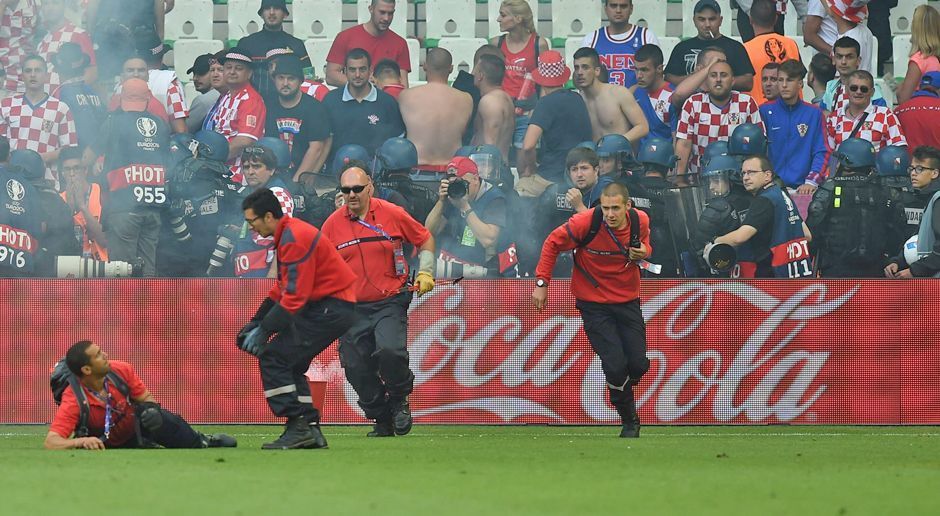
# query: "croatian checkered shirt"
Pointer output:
{"type": "Point", "coordinates": [17, 28]}
{"type": "Point", "coordinates": [661, 101]}
{"type": "Point", "coordinates": [50, 44]}
{"type": "Point", "coordinates": [45, 127]}
{"type": "Point", "coordinates": [314, 89]}
{"type": "Point", "coordinates": [287, 206]}
{"type": "Point", "coordinates": [702, 122]}
{"type": "Point", "coordinates": [175, 103]}
{"type": "Point", "coordinates": [240, 113]}
{"type": "Point", "coordinates": [881, 127]}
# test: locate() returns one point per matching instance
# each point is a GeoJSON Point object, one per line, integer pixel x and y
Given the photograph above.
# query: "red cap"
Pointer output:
{"type": "Point", "coordinates": [135, 95]}
{"type": "Point", "coordinates": [461, 166]}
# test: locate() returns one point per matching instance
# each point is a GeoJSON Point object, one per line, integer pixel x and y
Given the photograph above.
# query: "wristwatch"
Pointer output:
{"type": "Point", "coordinates": [541, 283]}
{"type": "Point", "coordinates": [466, 213]}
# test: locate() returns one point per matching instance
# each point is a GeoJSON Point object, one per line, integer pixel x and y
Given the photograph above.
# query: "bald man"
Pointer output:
{"type": "Point", "coordinates": [435, 114]}
{"type": "Point", "coordinates": [369, 234]}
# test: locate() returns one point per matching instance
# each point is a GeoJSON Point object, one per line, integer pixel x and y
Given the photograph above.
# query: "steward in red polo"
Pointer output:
{"type": "Point", "coordinates": [606, 287]}
{"type": "Point", "coordinates": [370, 234]}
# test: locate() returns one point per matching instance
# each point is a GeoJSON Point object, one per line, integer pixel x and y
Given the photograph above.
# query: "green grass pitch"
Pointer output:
{"type": "Point", "coordinates": [474, 470]}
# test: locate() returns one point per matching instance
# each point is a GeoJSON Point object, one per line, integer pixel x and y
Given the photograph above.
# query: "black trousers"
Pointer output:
{"type": "Point", "coordinates": [175, 432]}
{"type": "Point", "coordinates": [374, 354]}
{"type": "Point", "coordinates": [879, 23]}
{"type": "Point", "coordinates": [747, 32]}
{"type": "Point", "coordinates": [617, 334]}
{"type": "Point", "coordinates": [286, 358]}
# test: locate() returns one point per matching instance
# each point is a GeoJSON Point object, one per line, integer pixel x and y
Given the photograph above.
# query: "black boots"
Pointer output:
{"type": "Point", "coordinates": [219, 441]}
{"type": "Point", "coordinates": [401, 416]}
{"type": "Point", "coordinates": [298, 433]}
{"type": "Point", "coordinates": [383, 428]}
{"type": "Point", "coordinates": [630, 419]}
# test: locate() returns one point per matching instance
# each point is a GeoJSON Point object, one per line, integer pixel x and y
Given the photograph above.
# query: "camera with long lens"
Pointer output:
{"type": "Point", "coordinates": [224, 246]}
{"type": "Point", "coordinates": [179, 228]}
{"type": "Point", "coordinates": [457, 188]}
{"type": "Point", "coordinates": [82, 267]}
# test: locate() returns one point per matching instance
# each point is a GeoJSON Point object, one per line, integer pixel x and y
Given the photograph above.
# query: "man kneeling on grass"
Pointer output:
{"type": "Point", "coordinates": [121, 412]}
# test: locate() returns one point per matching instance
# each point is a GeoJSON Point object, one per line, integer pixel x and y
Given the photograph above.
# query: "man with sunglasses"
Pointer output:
{"type": "Point", "coordinates": [846, 58]}
{"type": "Point", "coordinates": [860, 118]}
{"type": "Point", "coordinates": [370, 235]}
{"type": "Point", "coordinates": [778, 236]}
{"type": "Point", "coordinates": [254, 253]}
{"type": "Point", "coordinates": [310, 305]}
{"type": "Point", "coordinates": [925, 171]}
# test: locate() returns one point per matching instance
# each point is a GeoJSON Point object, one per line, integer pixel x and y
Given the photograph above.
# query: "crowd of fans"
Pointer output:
{"type": "Point", "coordinates": [109, 170]}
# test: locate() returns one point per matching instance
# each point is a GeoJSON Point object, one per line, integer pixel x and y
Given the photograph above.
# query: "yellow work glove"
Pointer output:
{"type": "Point", "coordinates": [425, 283]}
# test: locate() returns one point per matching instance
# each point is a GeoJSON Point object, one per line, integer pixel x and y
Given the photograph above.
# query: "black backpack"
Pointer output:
{"type": "Point", "coordinates": [61, 378]}
{"type": "Point", "coordinates": [597, 218]}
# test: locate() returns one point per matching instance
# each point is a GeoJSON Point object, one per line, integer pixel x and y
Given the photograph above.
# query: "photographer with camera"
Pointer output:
{"type": "Point", "coordinates": [19, 220]}
{"type": "Point", "coordinates": [467, 221]}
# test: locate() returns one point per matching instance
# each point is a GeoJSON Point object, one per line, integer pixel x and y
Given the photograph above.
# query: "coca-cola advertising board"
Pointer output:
{"type": "Point", "coordinates": [722, 352]}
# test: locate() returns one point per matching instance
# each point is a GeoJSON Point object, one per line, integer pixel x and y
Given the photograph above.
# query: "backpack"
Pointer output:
{"type": "Point", "coordinates": [597, 218]}
{"type": "Point", "coordinates": [61, 378]}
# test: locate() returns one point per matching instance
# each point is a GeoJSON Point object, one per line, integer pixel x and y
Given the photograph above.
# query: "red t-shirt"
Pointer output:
{"type": "Point", "coordinates": [373, 261]}
{"type": "Point", "coordinates": [386, 46]}
{"type": "Point", "coordinates": [918, 118]}
{"type": "Point", "coordinates": [122, 412]}
{"type": "Point", "coordinates": [618, 278]}
{"type": "Point", "coordinates": [393, 89]}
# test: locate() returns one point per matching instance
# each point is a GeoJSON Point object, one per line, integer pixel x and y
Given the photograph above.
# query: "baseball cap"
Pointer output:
{"type": "Point", "coordinates": [70, 57]}
{"type": "Point", "coordinates": [280, 4]}
{"type": "Point", "coordinates": [707, 4]}
{"type": "Point", "coordinates": [201, 64]}
{"type": "Point", "coordinates": [288, 64]}
{"type": "Point", "coordinates": [135, 95]}
{"type": "Point", "coordinates": [461, 166]}
{"type": "Point", "coordinates": [930, 79]}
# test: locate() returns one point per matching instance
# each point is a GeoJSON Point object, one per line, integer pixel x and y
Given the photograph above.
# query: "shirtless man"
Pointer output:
{"type": "Point", "coordinates": [435, 114]}
{"type": "Point", "coordinates": [496, 119]}
{"type": "Point", "coordinates": [613, 108]}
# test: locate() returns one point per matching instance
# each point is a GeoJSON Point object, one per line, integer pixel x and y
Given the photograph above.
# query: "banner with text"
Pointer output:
{"type": "Point", "coordinates": [722, 352]}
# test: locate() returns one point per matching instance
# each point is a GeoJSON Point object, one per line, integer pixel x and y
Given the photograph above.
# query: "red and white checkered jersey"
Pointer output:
{"type": "Point", "coordinates": [316, 90]}
{"type": "Point", "coordinates": [44, 127]}
{"type": "Point", "coordinates": [17, 28]}
{"type": "Point", "coordinates": [781, 6]}
{"type": "Point", "coordinates": [50, 44]}
{"type": "Point", "coordinates": [661, 101]}
{"type": "Point", "coordinates": [880, 127]}
{"type": "Point", "coordinates": [240, 113]}
{"type": "Point", "coordinates": [287, 206]}
{"type": "Point", "coordinates": [702, 122]}
{"type": "Point", "coordinates": [175, 102]}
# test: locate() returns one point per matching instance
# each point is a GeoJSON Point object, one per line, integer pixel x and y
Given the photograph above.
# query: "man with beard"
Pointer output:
{"type": "Point", "coordinates": [707, 19]}
{"type": "Point", "coordinates": [375, 37]}
{"type": "Point", "coordinates": [271, 35]}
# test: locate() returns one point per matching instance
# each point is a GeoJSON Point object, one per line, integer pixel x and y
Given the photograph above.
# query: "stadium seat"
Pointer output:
{"type": "Point", "coordinates": [902, 53]}
{"type": "Point", "coordinates": [243, 19]}
{"type": "Point", "coordinates": [901, 16]}
{"type": "Point", "coordinates": [667, 44]}
{"type": "Point", "coordinates": [450, 19]}
{"type": "Point", "coordinates": [318, 49]}
{"type": "Point", "coordinates": [185, 52]}
{"type": "Point", "coordinates": [317, 18]}
{"type": "Point", "coordinates": [492, 10]}
{"type": "Point", "coordinates": [574, 18]}
{"type": "Point", "coordinates": [887, 92]}
{"type": "Point", "coordinates": [572, 45]}
{"type": "Point", "coordinates": [462, 50]}
{"type": "Point", "coordinates": [399, 22]}
{"type": "Point", "coordinates": [874, 56]}
{"type": "Point", "coordinates": [652, 14]}
{"type": "Point", "coordinates": [189, 92]}
{"type": "Point", "coordinates": [414, 54]}
{"type": "Point", "coordinates": [189, 20]}
{"type": "Point", "coordinates": [792, 25]}
{"type": "Point", "coordinates": [728, 27]}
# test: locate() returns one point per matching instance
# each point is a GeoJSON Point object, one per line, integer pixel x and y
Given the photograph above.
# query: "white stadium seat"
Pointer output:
{"type": "Point", "coordinates": [189, 92]}
{"type": "Point", "coordinates": [874, 56]}
{"type": "Point", "coordinates": [492, 10]}
{"type": "Point", "coordinates": [792, 25]}
{"type": "Point", "coordinates": [317, 18]}
{"type": "Point", "coordinates": [901, 16]}
{"type": "Point", "coordinates": [462, 50]}
{"type": "Point", "coordinates": [399, 22]}
{"type": "Point", "coordinates": [243, 18]}
{"type": "Point", "coordinates": [414, 54]}
{"type": "Point", "coordinates": [191, 19]}
{"type": "Point", "coordinates": [902, 54]}
{"type": "Point", "coordinates": [574, 18]}
{"type": "Point", "coordinates": [450, 18]}
{"type": "Point", "coordinates": [185, 52]}
{"type": "Point", "coordinates": [728, 27]}
{"type": "Point", "coordinates": [652, 14]}
{"type": "Point", "coordinates": [318, 49]}
{"type": "Point", "coordinates": [667, 44]}
{"type": "Point", "coordinates": [572, 45]}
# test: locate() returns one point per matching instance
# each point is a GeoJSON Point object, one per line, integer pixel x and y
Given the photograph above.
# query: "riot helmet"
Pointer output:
{"type": "Point", "coordinates": [718, 175]}
{"type": "Point", "coordinates": [347, 153]}
{"type": "Point", "coordinates": [28, 163]}
{"type": "Point", "coordinates": [615, 153]}
{"type": "Point", "coordinates": [715, 148]}
{"type": "Point", "coordinates": [395, 154]}
{"type": "Point", "coordinates": [211, 145]}
{"type": "Point", "coordinates": [854, 155]}
{"type": "Point", "coordinates": [747, 140]}
{"type": "Point", "coordinates": [893, 160]}
{"type": "Point", "coordinates": [279, 148]}
{"type": "Point", "coordinates": [657, 154]}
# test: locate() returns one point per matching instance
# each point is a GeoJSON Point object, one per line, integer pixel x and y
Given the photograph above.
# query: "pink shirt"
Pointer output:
{"type": "Point", "coordinates": [926, 64]}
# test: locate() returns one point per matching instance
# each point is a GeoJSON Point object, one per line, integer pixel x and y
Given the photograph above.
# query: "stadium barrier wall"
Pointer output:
{"type": "Point", "coordinates": [722, 352]}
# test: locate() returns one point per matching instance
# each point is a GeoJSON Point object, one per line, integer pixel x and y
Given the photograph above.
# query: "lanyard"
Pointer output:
{"type": "Point", "coordinates": [377, 229]}
{"type": "Point", "coordinates": [107, 410]}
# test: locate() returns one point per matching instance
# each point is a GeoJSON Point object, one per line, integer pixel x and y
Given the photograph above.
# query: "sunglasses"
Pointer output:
{"type": "Point", "coordinates": [356, 189]}
{"type": "Point", "coordinates": [855, 87]}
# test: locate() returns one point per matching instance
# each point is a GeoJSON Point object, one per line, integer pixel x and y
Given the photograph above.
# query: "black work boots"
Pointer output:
{"type": "Point", "coordinates": [298, 434]}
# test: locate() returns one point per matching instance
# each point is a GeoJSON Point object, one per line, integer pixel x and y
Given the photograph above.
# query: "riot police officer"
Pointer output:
{"type": "Point", "coordinates": [657, 158]}
{"type": "Point", "coordinates": [282, 152]}
{"type": "Point", "coordinates": [848, 215]}
{"type": "Point", "coordinates": [747, 140]}
{"type": "Point", "coordinates": [391, 172]}
{"type": "Point", "coordinates": [891, 163]}
{"type": "Point", "coordinates": [726, 205]}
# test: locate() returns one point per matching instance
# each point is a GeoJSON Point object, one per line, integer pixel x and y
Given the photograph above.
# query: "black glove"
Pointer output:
{"type": "Point", "coordinates": [255, 340]}
{"type": "Point", "coordinates": [240, 339]}
{"type": "Point", "coordinates": [150, 416]}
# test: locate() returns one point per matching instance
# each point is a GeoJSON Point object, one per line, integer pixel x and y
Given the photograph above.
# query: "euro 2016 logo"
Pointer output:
{"type": "Point", "coordinates": [15, 190]}
{"type": "Point", "coordinates": [146, 127]}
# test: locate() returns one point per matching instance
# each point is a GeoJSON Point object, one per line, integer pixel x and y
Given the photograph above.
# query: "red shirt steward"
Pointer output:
{"type": "Point", "coordinates": [306, 273]}
{"type": "Point", "coordinates": [369, 253]}
{"type": "Point", "coordinates": [123, 418]}
{"type": "Point", "coordinates": [618, 277]}
{"type": "Point", "coordinates": [386, 46]}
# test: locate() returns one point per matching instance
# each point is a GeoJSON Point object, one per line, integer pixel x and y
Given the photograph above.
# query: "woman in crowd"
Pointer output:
{"type": "Point", "coordinates": [925, 50]}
